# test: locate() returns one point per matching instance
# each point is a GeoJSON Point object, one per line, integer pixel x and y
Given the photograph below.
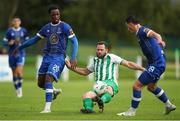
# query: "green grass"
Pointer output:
{"type": "Point", "coordinates": [67, 105]}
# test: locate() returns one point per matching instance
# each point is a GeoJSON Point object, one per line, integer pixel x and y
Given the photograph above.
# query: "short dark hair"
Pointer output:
{"type": "Point", "coordinates": [132, 19]}
{"type": "Point", "coordinates": [103, 43]}
{"type": "Point", "coordinates": [52, 7]}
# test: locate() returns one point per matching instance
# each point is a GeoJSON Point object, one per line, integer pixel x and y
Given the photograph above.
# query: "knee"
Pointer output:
{"type": "Point", "coordinates": [136, 87]}
{"type": "Point", "coordinates": [40, 85]}
{"type": "Point", "coordinates": [89, 95]}
{"type": "Point", "coordinates": [151, 88]}
{"type": "Point", "coordinates": [49, 78]}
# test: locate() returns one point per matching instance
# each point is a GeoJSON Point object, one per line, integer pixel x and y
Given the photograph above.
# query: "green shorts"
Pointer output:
{"type": "Point", "coordinates": [110, 82]}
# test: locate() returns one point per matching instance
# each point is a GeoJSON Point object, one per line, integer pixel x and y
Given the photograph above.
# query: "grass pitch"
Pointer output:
{"type": "Point", "coordinates": [68, 104]}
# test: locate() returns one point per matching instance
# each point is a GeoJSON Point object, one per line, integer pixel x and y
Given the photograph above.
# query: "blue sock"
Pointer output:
{"type": "Point", "coordinates": [15, 81]}
{"type": "Point", "coordinates": [136, 98]}
{"type": "Point", "coordinates": [49, 91]}
{"type": "Point", "coordinates": [160, 94]}
{"type": "Point", "coordinates": [20, 82]}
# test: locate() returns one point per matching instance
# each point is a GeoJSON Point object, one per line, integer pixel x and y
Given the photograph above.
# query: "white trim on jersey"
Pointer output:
{"type": "Point", "coordinates": [55, 24]}
{"type": "Point", "coordinates": [40, 36]}
{"type": "Point", "coordinates": [71, 36]}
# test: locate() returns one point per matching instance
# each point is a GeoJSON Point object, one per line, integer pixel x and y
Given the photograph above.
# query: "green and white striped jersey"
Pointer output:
{"type": "Point", "coordinates": [105, 68]}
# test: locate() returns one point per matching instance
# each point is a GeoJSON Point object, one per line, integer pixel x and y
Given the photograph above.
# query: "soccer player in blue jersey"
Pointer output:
{"type": "Point", "coordinates": [151, 44]}
{"type": "Point", "coordinates": [57, 34]}
{"type": "Point", "coordinates": [15, 36]}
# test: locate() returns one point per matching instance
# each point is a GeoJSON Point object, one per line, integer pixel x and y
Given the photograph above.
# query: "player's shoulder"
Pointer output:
{"type": "Point", "coordinates": [64, 23]}
{"type": "Point", "coordinates": [23, 29]}
{"type": "Point", "coordinates": [47, 25]}
{"type": "Point", "coordinates": [145, 29]}
{"type": "Point", "coordinates": [111, 55]}
{"type": "Point", "coordinates": [10, 29]}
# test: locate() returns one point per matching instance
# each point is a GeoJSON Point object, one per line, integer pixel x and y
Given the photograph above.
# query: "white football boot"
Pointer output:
{"type": "Point", "coordinates": [46, 111]}
{"type": "Point", "coordinates": [169, 108]}
{"type": "Point", "coordinates": [129, 112]}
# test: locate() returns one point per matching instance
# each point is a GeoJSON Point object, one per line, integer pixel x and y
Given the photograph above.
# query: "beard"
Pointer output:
{"type": "Point", "coordinates": [101, 56]}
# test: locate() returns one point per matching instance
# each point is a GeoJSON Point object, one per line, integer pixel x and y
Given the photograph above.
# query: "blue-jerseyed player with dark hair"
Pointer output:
{"type": "Point", "coordinates": [57, 34]}
{"type": "Point", "coordinates": [15, 36]}
{"type": "Point", "coordinates": [151, 44]}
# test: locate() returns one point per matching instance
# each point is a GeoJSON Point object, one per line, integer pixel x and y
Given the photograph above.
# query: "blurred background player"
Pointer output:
{"type": "Point", "coordinates": [15, 36]}
{"type": "Point", "coordinates": [151, 44]}
{"type": "Point", "coordinates": [57, 34]}
{"type": "Point", "coordinates": [105, 67]}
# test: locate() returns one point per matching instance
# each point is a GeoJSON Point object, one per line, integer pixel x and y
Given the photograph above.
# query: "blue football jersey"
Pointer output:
{"type": "Point", "coordinates": [151, 49]}
{"type": "Point", "coordinates": [57, 37]}
{"type": "Point", "coordinates": [19, 35]}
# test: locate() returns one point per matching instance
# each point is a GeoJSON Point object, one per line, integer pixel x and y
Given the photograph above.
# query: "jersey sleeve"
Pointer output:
{"type": "Point", "coordinates": [116, 59]}
{"type": "Point", "coordinates": [90, 66]}
{"type": "Point", "coordinates": [145, 32]}
{"type": "Point", "coordinates": [42, 32]}
{"type": "Point", "coordinates": [68, 31]}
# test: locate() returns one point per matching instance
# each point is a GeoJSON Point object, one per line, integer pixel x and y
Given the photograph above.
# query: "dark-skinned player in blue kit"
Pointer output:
{"type": "Point", "coordinates": [57, 34]}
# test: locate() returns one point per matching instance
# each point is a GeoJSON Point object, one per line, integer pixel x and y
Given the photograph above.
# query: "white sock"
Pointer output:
{"type": "Point", "coordinates": [48, 106]}
{"type": "Point", "coordinates": [168, 103]}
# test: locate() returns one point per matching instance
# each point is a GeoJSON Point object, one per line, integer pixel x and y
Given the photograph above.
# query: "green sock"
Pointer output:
{"type": "Point", "coordinates": [88, 103]}
{"type": "Point", "coordinates": [106, 98]}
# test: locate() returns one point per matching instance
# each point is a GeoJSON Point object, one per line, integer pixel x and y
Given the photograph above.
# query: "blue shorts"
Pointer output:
{"type": "Point", "coordinates": [15, 61]}
{"type": "Point", "coordinates": [151, 75]}
{"type": "Point", "coordinates": [53, 65]}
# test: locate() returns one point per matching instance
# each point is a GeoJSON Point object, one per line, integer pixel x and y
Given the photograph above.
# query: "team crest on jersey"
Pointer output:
{"type": "Point", "coordinates": [54, 39]}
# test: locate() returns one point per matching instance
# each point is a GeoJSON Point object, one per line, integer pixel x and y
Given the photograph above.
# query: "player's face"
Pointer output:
{"type": "Point", "coordinates": [16, 22]}
{"type": "Point", "coordinates": [101, 51]}
{"type": "Point", "coordinates": [131, 27]}
{"type": "Point", "coordinates": [55, 16]}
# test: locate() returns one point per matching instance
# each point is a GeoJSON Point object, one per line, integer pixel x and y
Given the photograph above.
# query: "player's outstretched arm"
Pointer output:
{"type": "Point", "coordinates": [132, 65]}
{"type": "Point", "coordinates": [81, 71]}
{"type": "Point", "coordinates": [73, 60]}
{"type": "Point", "coordinates": [29, 42]}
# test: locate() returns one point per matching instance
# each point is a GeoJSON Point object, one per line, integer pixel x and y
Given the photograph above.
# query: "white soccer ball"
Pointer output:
{"type": "Point", "coordinates": [100, 87]}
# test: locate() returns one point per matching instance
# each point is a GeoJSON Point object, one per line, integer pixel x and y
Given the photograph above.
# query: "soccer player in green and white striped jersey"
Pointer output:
{"type": "Point", "coordinates": [105, 67]}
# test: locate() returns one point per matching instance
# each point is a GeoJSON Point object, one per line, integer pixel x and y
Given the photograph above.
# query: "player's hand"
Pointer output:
{"type": "Point", "coordinates": [17, 42]}
{"type": "Point", "coordinates": [11, 42]}
{"type": "Point", "coordinates": [73, 64]}
{"type": "Point", "coordinates": [143, 69]}
{"type": "Point", "coordinates": [68, 64]}
{"type": "Point", "coordinates": [163, 44]}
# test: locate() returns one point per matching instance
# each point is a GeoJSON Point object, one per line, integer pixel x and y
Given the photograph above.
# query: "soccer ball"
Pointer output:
{"type": "Point", "coordinates": [100, 87]}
